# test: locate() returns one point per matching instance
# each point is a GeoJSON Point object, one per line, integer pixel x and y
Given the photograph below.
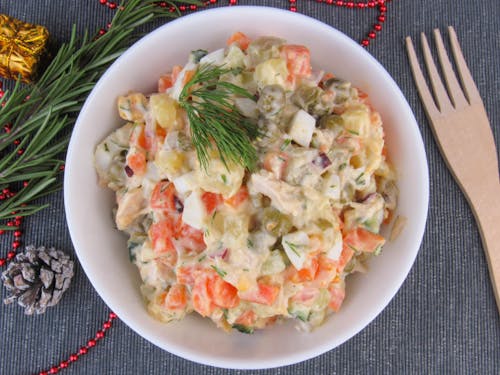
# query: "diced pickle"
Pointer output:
{"type": "Point", "coordinates": [271, 100]}
{"type": "Point", "coordinates": [275, 222]}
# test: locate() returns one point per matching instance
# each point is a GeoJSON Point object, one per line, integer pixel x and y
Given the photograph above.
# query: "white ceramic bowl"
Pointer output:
{"type": "Point", "coordinates": [102, 250]}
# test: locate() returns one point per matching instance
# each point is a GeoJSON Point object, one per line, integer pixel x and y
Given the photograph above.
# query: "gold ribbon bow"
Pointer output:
{"type": "Point", "coordinates": [21, 46]}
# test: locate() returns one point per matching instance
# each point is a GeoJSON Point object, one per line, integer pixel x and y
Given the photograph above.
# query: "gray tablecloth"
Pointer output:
{"type": "Point", "coordinates": [443, 320]}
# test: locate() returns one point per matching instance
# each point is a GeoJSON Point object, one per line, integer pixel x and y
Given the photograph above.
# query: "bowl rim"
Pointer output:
{"type": "Point", "coordinates": [304, 354]}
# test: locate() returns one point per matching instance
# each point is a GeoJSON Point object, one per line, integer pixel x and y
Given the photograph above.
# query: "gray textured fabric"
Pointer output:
{"type": "Point", "coordinates": [443, 320]}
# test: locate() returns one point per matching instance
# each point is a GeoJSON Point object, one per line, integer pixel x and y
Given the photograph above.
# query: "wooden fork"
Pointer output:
{"type": "Point", "coordinates": [462, 130]}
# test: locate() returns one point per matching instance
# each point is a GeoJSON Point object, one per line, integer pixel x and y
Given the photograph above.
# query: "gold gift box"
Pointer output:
{"type": "Point", "coordinates": [22, 46]}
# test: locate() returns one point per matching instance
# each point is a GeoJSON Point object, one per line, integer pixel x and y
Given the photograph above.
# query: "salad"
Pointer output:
{"type": "Point", "coordinates": [248, 245]}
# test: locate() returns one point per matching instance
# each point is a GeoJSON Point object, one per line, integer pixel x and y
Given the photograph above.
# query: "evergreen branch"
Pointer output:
{"type": "Point", "coordinates": [42, 114]}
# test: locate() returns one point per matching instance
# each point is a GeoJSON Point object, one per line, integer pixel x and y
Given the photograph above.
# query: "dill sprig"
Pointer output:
{"type": "Point", "coordinates": [42, 114]}
{"type": "Point", "coordinates": [214, 119]}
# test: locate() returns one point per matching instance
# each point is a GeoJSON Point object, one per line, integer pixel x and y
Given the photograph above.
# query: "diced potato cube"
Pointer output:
{"type": "Point", "coordinates": [218, 179]}
{"type": "Point", "coordinates": [357, 120]}
{"type": "Point", "coordinates": [271, 72]}
{"type": "Point", "coordinates": [169, 163]}
{"type": "Point", "coordinates": [132, 107]}
{"type": "Point", "coordinates": [302, 127]}
{"type": "Point", "coordinates": [165, 111]}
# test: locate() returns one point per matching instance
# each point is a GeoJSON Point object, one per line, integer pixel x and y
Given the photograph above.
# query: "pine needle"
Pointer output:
{"type": "Point", "coordinates": [42, 114]}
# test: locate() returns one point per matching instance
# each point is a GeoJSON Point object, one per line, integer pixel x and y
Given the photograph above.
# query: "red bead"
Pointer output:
{"type": "Point", "coordinates": [73, 357]}
{"type": "Point", "coordinates": [20, 151]}
{"type": "Point", "coordinates": [232, 2]}
{"type": "Point", "coordinates": [25, 183]}
{"type": "Point", "coordinates": [339, 3]}
{"type": "Point", "coordinates": [350, 4]}
{"type": "Point", "coordinates": [365, 42]}
{"type": "Point", "coordinates": [381, 18]}
{"type": "Point", "coordinates": [83, 350]}
{"type": "Point", "coordinates": [329, 1]}
{"type": "Point", "coordinates": [2, 231]}
{"type": "Point", "coordinates": [16, 244]}
{"type": "Point", "coordinates": [292, 1]}
{"type": "Point", "coordinates": [372, 35]}
{"type": "Point", "coordinates": [371, 4]}
{"type": "Point", "coordinates": [102, 32]}
{"type": "Point", "coordinates": [377, 27]}
{"type": "Point", "coordinates": [11, 254]}
{"type": "Point", "coordinates": [382, 8]}
{"type": "Point", "coordinates": [163, 4]}
{"type": "Point", "coordinates": [112, 5]}
{"type": "Point", "coordinates": [293, 8]}
{"type": "Point", "coordinates": [361, 5]}
{"type": "Point", "coordinates": [193, 7]}
{"type": "Point", "coordinates": [53, 370]}
{"type": "Point", "coordinates": [91, 343]}
{"type": "Point", "coordinates": [6, 191]}
{"type": "Point", "coordinates": [17, 222]}
{"type": "Point", "coordinates": [17, 233]}
{"type": "Point", "coordinates": [106, 325]}
{"type": "Point", "coordinates": [182, 8]}
{"type": "Point", "coordinates": [10, 223]}
{"type": "Point", "coordinates": [43, 373]}
{"type": "Point", "coordinates": [112, 315]}
{"type": "Point", "coordinates": [63, 364]}
{"type": "Point", "coordinates": [16, 141]}
{"type": "Point", "coordinates": [103, 2]}
{"type": "Point", "coordinates": [2, 262]}
{"type": "Point", "coordinates": [99, 335]}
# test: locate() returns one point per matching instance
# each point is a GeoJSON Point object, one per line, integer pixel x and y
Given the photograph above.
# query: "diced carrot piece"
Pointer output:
{"type": "Point", "coordinates": [137, 162]}
{"type": "Point", "coordinates": [345, 257]}
{"type": "Point", "coordinates": [164, 83]}
{"type": "Point", "coordinates": [161, 235]}
{"type": "Point", "coordinates": [211, 201]}
{"type": "Point", "coordinates": [239, 38]}
{"type": "Point", "coordinates": [164, 196]}
{"type": "Point", "coordinates": [175, 72]}
{"type": "Point", "coordinates": [337, 295]}
{"type": "Point", "coordinates": [247, 318]}
{"type": "Point", "coordinates": [298, 61]}
{"type": "Point", "coordinates": [360, 239]}
{"type": "Point", "coordinates": [191, 239]}
{"type": "Point", "coordinates": [223, 294]}
{"type": "Point", "coordinates": [187, 274]}
{"type": "Point", "coordinates": [188, 74]}
{"type": "Point", "coordinates": [201, 296]}
{"type": "Point", "coordinates": [137, 136]}
{"type": "Point", "coordinates": [176, 298]}
{"type": "Point", "coordinates": [265, 294]}
{"type": "Point", "coordinates": [327, 270]}
{"type": "Point", "coordinates": [309, 273]}
{"type": "Point", "coordinates": [237, 199]}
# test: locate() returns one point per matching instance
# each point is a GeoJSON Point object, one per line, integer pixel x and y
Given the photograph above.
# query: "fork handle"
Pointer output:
{"type": "Point", "coordinates": [486, 208]}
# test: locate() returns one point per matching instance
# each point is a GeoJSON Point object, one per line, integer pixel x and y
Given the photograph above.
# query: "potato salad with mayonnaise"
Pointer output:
{"type": "Point", "coordinates": [251, 247]}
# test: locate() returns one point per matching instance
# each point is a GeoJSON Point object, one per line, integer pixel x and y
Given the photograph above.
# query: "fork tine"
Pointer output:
{"type": "Point", "coordinates": [423, 89]}
{"type": "Point", "coordinates": [442, 98]}
{"type": "Point", "coordinates": [470, 87]}
{"type": "Point", "coordinates": [454, 89]}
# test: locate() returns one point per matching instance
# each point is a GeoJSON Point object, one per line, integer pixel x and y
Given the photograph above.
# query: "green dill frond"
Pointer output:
{"type": "Point", "coordinates": [215, 121]}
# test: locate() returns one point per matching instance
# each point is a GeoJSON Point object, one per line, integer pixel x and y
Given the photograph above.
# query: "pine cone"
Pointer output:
{"type": "Point", "coordinates": [37, 278]}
